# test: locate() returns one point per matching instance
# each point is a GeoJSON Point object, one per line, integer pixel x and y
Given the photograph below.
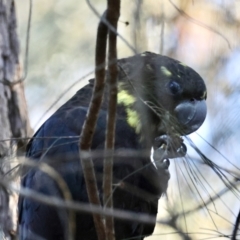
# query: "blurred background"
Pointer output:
{"type": "Point", "coordinates": [204, 35]}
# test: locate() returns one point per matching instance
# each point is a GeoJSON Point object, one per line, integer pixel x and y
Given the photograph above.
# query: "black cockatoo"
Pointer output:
{"type": "Point", "coordinates": [159, 100]}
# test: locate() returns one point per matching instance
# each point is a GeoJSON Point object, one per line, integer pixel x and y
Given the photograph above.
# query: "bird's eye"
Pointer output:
{"type": "Point", "coordinates": [174, 87]}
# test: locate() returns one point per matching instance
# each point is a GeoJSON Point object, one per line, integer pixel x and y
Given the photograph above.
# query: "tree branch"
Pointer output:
{"type": "Point", "coordinates": [90, 123]}
{"type": "Point", "coordinates": [236, 227]}
{"type": "Point", "coordinates": [113, 13]}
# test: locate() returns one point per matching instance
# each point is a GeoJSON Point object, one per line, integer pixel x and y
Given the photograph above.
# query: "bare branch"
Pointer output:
{"type": "Point", "coordinates": [111, 27]}
{"type": "Point", "coordinates": [27, 41]}
{"type": "Point", "coordinates": [236, 227]}
{"type": "Point", "coordinates": [113, 13]}
{"type": "Point", "coordinates": [80, 207]}
{"type": "Point", "coordinates": [90, 123]}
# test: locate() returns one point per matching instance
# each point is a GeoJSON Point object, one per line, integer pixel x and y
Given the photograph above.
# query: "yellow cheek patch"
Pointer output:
{"type": "Point", "coordinates": [165, 71]}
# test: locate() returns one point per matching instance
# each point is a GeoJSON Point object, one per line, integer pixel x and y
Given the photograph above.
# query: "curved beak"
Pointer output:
{"type": "Point", "coordinates": [191, 115]}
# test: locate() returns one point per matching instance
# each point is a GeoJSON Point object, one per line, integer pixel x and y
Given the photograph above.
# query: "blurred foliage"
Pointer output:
{"type": "Point", "coordinates": [204, 35]}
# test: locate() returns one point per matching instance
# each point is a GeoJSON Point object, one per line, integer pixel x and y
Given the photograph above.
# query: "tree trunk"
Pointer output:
{"type": "Point", "coordinates": [14, 122]}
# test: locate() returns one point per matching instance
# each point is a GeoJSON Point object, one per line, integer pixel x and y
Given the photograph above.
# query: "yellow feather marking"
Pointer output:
{"type": "Point", "coordinates": [133, 119]}
{"type": "Point", "coordinates": [125, 98]}
{"type": "Point", "coordinates": [128, 100]}
{"type": "Point", "coordinates": [204, 95]}
{"type": "Point", "coordinates": [165, 71]}
{"type": "Point", "coordinates": [183, 64]}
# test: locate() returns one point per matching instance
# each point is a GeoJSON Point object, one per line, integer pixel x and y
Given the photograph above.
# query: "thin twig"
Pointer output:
{"type": "Point", "coordinates": [61, 96]}
{"type": "Point", "coordinates": [111, 27]}
{"type": "Point", "coordinates": [200, 23]}
{"type": "Point", "coordinates": [61, 184]}
{"type": "Point", "coordinates": [80, 207]}
{"type": "Point", "coordinates": [236, 227]}
{"type": "Point", "coordinates": [90, 123]}
{"type": "Point", "coordinates": [27, 42]}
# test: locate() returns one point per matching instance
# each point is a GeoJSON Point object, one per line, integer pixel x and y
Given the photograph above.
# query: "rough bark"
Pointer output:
{"type": "Point", "coordinates": [14, 122]}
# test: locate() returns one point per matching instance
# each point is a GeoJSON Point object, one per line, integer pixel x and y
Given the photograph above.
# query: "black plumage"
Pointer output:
{"type": "Point", "coordinates": [157, 96]}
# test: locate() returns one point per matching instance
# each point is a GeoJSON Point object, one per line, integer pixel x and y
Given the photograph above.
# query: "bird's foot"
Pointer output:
{"type": "Point", "coordinates": [165, 147]}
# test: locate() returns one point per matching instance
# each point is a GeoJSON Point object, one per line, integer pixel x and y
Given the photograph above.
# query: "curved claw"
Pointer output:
{"type": "Point", "coordinates": [165, 163]}
{"type": "Point", "coordinates": [167, 147]}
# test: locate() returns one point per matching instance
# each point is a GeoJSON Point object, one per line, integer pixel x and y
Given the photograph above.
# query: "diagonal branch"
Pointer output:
{"type": "Point", "coordinates": [236, 227]}
{"type": "Point", "coordinates": [90, 123]}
